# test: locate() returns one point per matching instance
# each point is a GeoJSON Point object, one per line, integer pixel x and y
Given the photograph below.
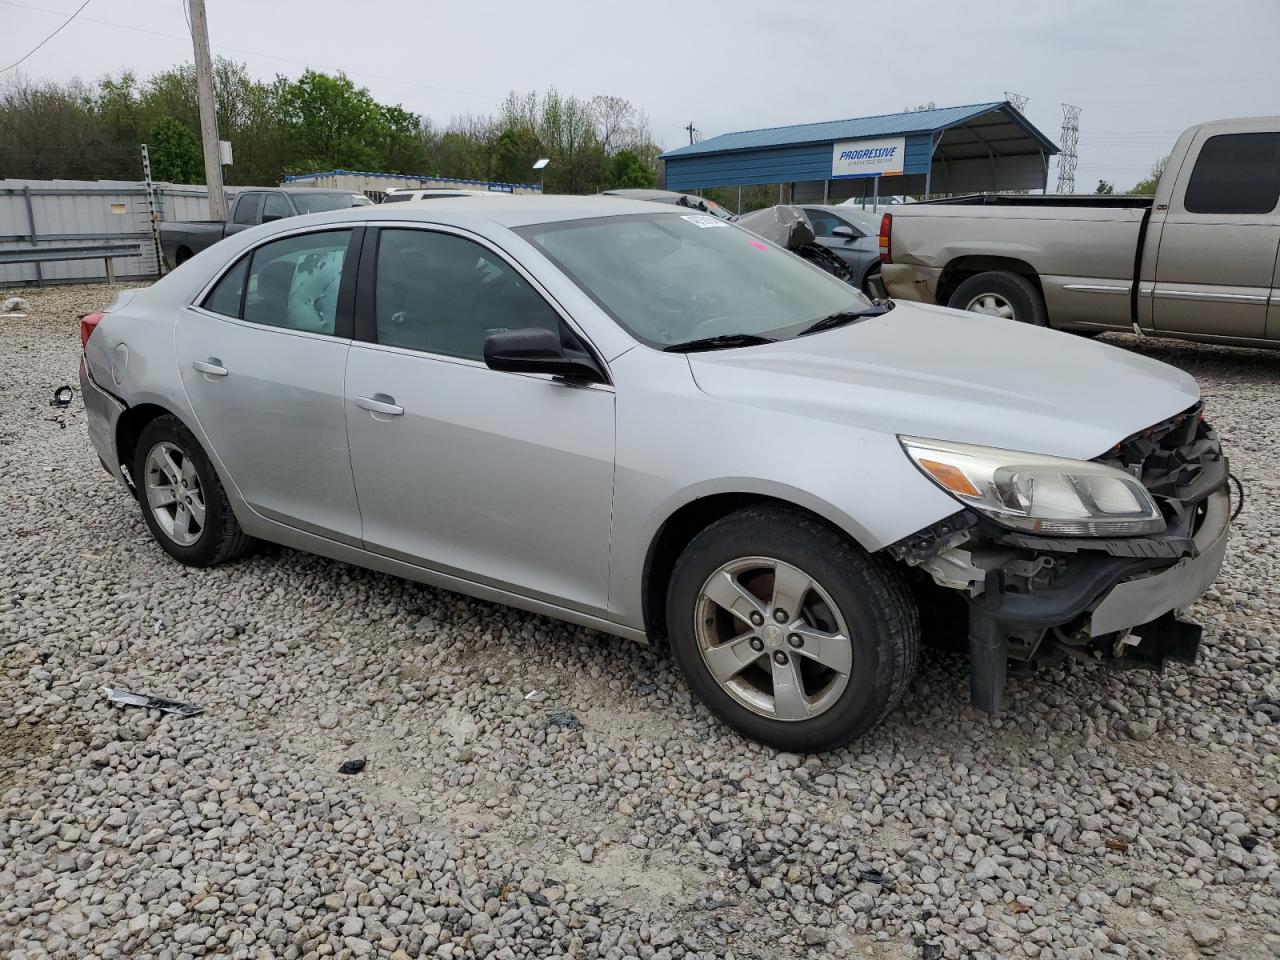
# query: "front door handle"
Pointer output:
{"type": "Point", "coordinates": [380, 403]}
{"type": "Point", "coordinates": [211, 368]}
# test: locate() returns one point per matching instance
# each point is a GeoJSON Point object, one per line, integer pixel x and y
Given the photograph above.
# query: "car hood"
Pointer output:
{"type": "Point", "coordinates": [931, 372]}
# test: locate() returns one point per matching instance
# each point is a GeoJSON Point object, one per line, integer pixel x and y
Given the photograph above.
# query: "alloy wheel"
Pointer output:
{"type": "Point", "coordinates": [174, 493]}
{"type": "Point", "coordinates": [991, 304]}
{"type": "Point", "coordinates": [773, 638]}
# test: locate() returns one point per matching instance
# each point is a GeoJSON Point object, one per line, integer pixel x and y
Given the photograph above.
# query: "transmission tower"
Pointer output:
{"type": "Point", "coordinates": [1018, 100]}
{"type": "Point", "coordinates": [1070, 140]}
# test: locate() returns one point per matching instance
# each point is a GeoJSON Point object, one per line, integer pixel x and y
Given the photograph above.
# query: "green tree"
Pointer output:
{"type": "Point", "coordinates": [514, 153]}
{"type": "Point", "coordinates": [1104, 187]}
{"type": "Point", "coordinates": [627, 170]}
{"type": "Point", "coordinates": [330, 124]}
{"type": "Point", "coordinates": [175, 151]}
{"type": "Point", "coordinates": [1147, 185]}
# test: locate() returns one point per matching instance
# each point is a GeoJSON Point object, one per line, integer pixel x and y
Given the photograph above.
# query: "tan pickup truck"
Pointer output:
{"type": "Point", "coordinates": [1197, 261]}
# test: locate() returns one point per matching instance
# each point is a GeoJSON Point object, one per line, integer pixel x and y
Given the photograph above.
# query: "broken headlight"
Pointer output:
{"type": "Point", "coordinates": [1039, 494]}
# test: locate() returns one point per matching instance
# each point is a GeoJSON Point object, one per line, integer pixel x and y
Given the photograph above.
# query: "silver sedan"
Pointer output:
{"type": "Point", "coordinates": [650, 422]}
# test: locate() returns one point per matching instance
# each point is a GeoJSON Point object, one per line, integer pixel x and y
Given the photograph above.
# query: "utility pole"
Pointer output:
{"type": "Point", "coordinates": [691, 128]}
{"type": "Point", "coordinates": [208, 112]}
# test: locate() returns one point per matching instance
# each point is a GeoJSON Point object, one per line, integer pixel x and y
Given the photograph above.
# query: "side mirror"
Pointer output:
{"type": "Point", "coordinates": [844, 232]}
{"type": "Point", "coordinates": [539, 350]}
{"type": "Point", "coordinates": [271, 217]}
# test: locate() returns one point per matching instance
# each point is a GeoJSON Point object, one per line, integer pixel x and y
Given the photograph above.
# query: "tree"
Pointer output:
{"type": "Point", "coordinates": [1147, 185]}
{"type": "Point", "coordinates": [514, 153]}
{"type": "Point", "coordinates": [175, 151]}
{"type": "Point", "coordinates": [331, 124]}
{"type": "Point", "coordinates": [1104, 187]}
{"type": "Point", "coordinates": [627, 170]}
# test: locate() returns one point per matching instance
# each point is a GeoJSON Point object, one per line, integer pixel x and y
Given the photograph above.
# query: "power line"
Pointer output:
{"type": "Point", "coordinates": [60, 28]}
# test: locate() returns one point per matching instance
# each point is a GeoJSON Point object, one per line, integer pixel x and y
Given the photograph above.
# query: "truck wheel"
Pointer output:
{"type": "Point", "coordinates": [183, 502]}
{"type": "Point", "coordinates": [1001, 294]}
{"type": "Point", "coordinates": [181, 257]}
{"type": "Point", "coordinates": [789, 631]}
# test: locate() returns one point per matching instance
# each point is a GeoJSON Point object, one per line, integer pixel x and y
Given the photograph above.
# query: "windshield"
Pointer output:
{"type": "Point", "coordinates": [671, 279]}
{"type": "Point", "coordinates": [324, 202]}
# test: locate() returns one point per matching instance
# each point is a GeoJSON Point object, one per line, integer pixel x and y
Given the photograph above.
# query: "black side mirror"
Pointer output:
{"type": "Point", "coordinates": [843, 232]}
{"type": "Point", "coordinates": [539, 350]}
{"type": "Point", "coordinates": [271, 217]}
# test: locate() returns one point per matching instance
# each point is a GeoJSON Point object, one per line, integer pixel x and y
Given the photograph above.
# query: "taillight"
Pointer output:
{"type": "Point", "coordinates": [886, 238]}
{"type": "Point", "coordinates": [89, 323]}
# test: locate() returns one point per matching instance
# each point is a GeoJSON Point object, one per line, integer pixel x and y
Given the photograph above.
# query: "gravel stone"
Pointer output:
{"type": "Point", "coordinates": [1068, 827]}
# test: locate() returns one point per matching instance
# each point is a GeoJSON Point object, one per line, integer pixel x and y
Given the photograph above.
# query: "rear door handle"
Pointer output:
{"type": "Point", "coordinates": [380, 403]}
{"type": "Point", "coordinates": [212, 367]}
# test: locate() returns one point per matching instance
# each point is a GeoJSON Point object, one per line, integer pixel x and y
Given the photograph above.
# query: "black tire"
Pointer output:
{"type": "Point", "coordinates": [872, 597]}
{"type": "Point", "coordinates": [220, 539]}
{"type": "Point", "coordinates": [1019, 292]}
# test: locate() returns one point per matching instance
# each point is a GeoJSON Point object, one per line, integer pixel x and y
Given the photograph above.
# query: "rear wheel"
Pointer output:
{"type": "Point", "coordinates": [183, 502]}
{"type": "Point", "coordinates": [1001, 294]}
{"type": "Point", "coordinates": [788, 631]}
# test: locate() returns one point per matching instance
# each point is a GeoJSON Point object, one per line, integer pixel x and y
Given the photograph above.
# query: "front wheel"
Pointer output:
{"type": "Point", "coordinates": [789, 632]}
{"type": "Point", "coordinates": [183, 502]}
{"type": "Point", "coordinates": [1000, 294]}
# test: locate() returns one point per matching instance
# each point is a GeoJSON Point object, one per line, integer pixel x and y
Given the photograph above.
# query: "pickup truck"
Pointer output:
{"type": "Point", "coordinates": [1196, 261]}
{"type": "Point", "coordinates": [181, 241]}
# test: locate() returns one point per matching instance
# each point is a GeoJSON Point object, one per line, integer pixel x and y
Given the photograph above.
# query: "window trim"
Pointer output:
{"type": "Point", "coordinates": [344, 313]}
{"type": "Point", "coordinates": [366, 320]}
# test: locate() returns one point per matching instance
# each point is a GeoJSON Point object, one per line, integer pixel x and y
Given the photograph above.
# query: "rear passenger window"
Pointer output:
{"type": "Point", "coordinates": [227, 296]}
{"type": "Point", "coordinates": [294, 282]}
{"type": "Point", "coordinates": [1236, 173]}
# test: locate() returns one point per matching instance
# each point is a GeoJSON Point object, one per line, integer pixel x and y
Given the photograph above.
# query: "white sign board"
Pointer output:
{"type": "Point", "coordinates": [868, 158]}
{"type": "Point", "coordinates": [224, 152]}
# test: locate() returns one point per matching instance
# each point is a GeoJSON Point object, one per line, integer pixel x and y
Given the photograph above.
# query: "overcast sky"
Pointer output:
{"type": "Point", "coordinates": [1141, 69]}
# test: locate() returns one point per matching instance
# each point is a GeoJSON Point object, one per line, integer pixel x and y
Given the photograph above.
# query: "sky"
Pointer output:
{"type": "Point", "coordinates": [1141, 70]}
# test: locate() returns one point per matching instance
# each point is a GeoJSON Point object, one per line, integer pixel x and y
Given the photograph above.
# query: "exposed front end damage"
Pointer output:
{"type": "Point", "coordinates": [1035, 599]}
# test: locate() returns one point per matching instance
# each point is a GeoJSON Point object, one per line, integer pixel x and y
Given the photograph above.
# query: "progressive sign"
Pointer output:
{"type": "Point", "coordinates": [868, 158]}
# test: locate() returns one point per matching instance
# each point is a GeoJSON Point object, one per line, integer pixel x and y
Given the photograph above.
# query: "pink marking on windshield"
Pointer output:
{"type": "Point", "coordinates": [759, 246]}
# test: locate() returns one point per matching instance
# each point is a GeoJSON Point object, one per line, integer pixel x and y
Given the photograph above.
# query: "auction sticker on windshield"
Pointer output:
{"type": "Point", "coordinates": [702, 220]}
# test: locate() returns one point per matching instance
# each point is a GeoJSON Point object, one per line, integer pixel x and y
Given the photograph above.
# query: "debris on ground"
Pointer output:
{"type": "Point", "coordinates": [352, 767]}
{"type": "Point", "coordinates": [15, 305]}
{"type": "Point", "coordinates": [564, 719]}
{"type": "Point", "coordinates": [177, 708]}
{"type": "Point", "coordinates": [1270, 709]}
{"type": "Point", "coordinates": [63, 396]}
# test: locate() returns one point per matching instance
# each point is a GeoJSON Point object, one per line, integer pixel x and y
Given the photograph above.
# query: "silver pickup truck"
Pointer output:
{"type": "Point", "coordinates": [1196, 261]}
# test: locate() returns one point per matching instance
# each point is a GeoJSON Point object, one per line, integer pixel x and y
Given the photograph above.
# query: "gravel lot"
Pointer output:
{"type": "Point", "coordinates": [537, 790]}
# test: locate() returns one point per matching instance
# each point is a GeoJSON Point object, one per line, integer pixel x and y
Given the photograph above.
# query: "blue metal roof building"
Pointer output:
{"type": "Point", "coordinates": [968, 149]}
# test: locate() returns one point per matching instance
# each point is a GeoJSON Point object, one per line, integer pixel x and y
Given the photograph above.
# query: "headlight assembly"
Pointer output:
{"type": "Point", "coordinates": [1038, 494]}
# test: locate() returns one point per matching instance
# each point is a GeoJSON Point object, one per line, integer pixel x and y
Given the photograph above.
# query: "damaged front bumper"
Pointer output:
{"type": "Point", "coordinates": [1035, 600]}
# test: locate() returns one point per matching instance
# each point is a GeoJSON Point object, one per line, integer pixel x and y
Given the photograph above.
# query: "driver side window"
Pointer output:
{"type": "Point", "coordinates": [441, 293]}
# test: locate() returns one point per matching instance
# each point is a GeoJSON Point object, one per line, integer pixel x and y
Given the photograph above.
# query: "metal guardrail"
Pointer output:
{"type": "Point", "coordinates": [104, 251]}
